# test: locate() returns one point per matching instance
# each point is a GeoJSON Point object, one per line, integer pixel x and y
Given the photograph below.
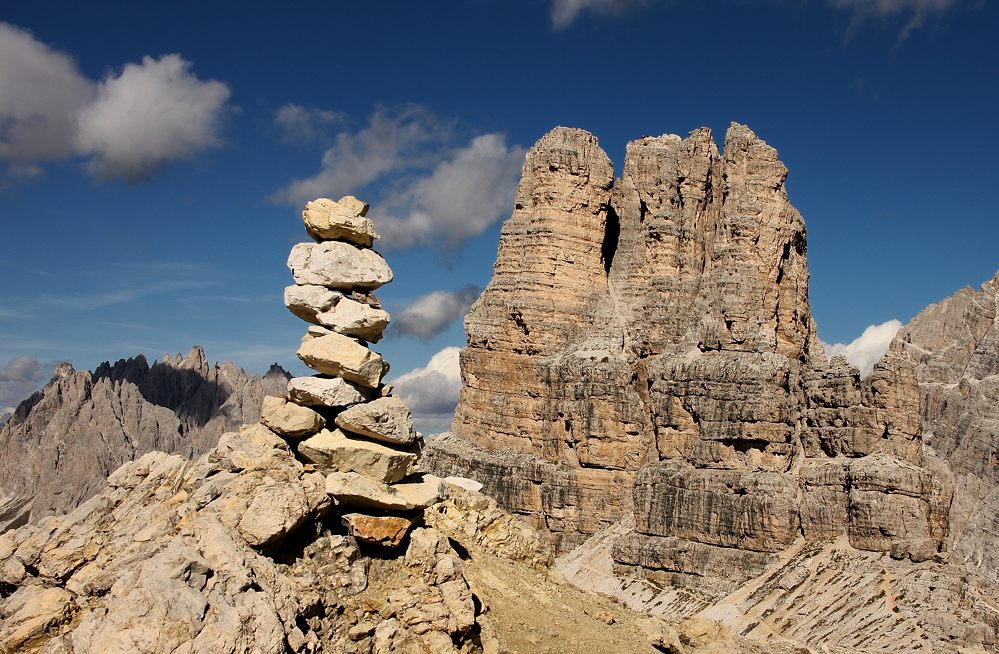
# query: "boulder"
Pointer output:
{"type": "Point", "coordinates": [332, 392]}
{"type": "Point", "coordinates": [338, 265]}
{"type": "Point", "coordinates": [334, 450]}
{"type": "Point", "coordinates": [355, 318]}
{"type": "Point", "coordinates": [340, 356]}
{"type": "Point", "coordinates": [289, 419]}
{"type": "Point", "coordinates": [344, 220]}
{"type": "Point", "coordinates": [386, 419]}
{"type": "Point", "coordinates": [388, 531]}
{"type": "Point", "coordinates": [309, 300]}
{"type": "Point", "coordinates": [355, 490]}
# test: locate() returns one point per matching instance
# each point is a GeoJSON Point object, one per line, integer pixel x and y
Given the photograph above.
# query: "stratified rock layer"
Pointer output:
{"type": "Point", "coordinates": [647, 348]}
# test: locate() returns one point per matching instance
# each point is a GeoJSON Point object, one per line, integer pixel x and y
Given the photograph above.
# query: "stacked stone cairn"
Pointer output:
{"type": "Point", "coordinates": [344, 421]}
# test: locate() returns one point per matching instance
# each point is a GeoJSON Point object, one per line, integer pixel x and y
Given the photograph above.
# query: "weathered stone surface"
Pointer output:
{"type": "Point", "coordinates": [387, 531]}
{"type": "Point", "coordinates": [955, 344]}
{"type": "Point", "coordinates": [355, 319]}
{"type": "Point", "coordinates": [61, 443]}
{"type": "Point", "coordinates": [354, 490]}
{"type": "Point", "coordinates": [386, 419]}
{"type": "Point", "coordinates": [341, 356]}
{"type": "Point", "coordinates": [648, 350]}
{"type": "Point", "coordinates": [344, 220]}
{"type": "Point", "coordinates": [336, 451]}
{"type": "Point", "coordinates": [288, 419]}
{"type": "Point", "coordinates": [337, 265]}
{"type": "Point", "coordinates": [309, 300]}
{"type": "Point", "coordinates": [332, 392]}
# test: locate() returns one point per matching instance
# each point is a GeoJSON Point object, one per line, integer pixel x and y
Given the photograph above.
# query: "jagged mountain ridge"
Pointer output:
{"type": "Point", "coordinates": [60, 444]}
{"type": "Point", "coordinates": [644, 364]}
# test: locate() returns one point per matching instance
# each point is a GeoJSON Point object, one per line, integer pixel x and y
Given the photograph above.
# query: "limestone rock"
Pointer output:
{"type": "Point", "coordinates": [355, 490]}
{"type": "Point", "coordinates": [309, 300]}
{"type": "Point", "coordinates": [646, 351]}
{"type": "Point", "coordinates": [386, 419]}
{"type": "Point", "coordinates": [337, 265]}
{"type": "Point", "coordinates": [289, 419]}
{"type": "Point", "coordinates": [335, 451]}
{"type": "Point", "coordinates": [344, 220]}
{"type": "Point", "coordinates": [355, 319]}
{"type": "Point", "coordinates": [86, 424]}
{"type": "Point", "coordinates": [332, 392]}
{"type": "Point", "coordinates": [387, 531]}
{"type": "Point", "coordinates": [340, 356]}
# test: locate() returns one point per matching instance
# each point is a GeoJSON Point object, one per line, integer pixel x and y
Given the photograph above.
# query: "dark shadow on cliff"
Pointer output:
{"type": "Point", "coordinates": [185, 391]}
{"type": "Point", "coordinates": [612, 233]}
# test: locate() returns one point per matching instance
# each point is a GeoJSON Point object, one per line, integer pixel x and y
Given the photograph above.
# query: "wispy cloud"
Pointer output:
{"type": "Point", "coordinates": [306, 124]}
{"type": "Point", "coordinates": [565, 12]}
{"type": "Point", "coordinates": [914, 13]}
{"type": "Point", "coordinates": [431, 314]}
{"type": "Point", "coordinates": [865, 350]}
{"type": "Point", "coordinates": [432, 190]}
{"type": "Point", "coordinates": [432, 391]}
{"type": "Point", "coordinates": [129, 125]}
{"type": "Point", "coordinates": [99, 300]}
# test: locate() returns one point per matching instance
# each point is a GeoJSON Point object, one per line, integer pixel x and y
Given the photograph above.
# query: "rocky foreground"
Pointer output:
{"type": "Point", "coordinates": [59, 445]}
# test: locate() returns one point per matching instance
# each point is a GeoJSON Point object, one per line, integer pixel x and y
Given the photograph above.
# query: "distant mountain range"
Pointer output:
{"type": "Point", "coordinates": [58, 446]}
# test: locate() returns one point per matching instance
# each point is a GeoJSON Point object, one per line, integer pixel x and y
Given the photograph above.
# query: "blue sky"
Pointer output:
{"type": "Point", "coordinates": [153, 156]}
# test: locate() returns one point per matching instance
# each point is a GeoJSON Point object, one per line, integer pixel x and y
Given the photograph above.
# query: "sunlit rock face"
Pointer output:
{"type": "Point", "coordinates": [646, 348]}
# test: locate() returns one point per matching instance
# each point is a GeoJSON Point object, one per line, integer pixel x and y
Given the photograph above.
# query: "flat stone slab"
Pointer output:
{"type": "Point", "coordinates": [386, 419]}
{"type": "Point", "coordinates": [337, 265]}
{"type": "Point", "coordinates": [331, 392]}
{"type": "Point", "coordinates": [340, 356]}
{"type": "Point", "coordinates": [334, 450]}
{"type": "Point", "coordinates": [288, 419]}
{"type": "Point", "coordinates": [354, 490]}
{"type": "Point", "coordinates": [387, 531]}
{"type": "Point", "coordinates": [309, 300]}
{"type": "Point", "coordinates": [354, 318]}
{"type": "Point", "coordinates": [326, 219]}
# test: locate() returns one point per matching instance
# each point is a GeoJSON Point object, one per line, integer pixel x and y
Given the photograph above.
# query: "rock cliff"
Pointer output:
{"type": "Point", "coordinates": [60, 444]}
{"type": "Point", "coordinates": [645, 353]}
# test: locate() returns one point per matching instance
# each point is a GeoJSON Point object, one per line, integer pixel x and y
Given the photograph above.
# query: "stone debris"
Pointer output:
{"type": "Point", "coordinates": [388, 531]}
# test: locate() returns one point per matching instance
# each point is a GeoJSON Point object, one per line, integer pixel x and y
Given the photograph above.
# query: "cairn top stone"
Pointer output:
{"type": "Point", "coordinates": [326, 220]}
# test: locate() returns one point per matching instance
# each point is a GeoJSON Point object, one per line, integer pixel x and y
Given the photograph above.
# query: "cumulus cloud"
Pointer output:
{"type": "Point", "coordinates": [393, 140]}
{"type": "Point", "coordinates": [459, 199]}
{"type": "Point", "coordinates": [305, 124]}
{"type": "Point", "coordinates": [5, 413]}
{"type": "Point", "coordinates": [41, 91]}
{"type": "Point", "coordinates": [434, 312]}
{"type": "Point", "coordinates": [865, 350]}
{"type": "Point", "coordinates": [149, 115]}
{"type": "Point", "coordinates": [129, 125]}
{"type": "Point", "coordinates": [915, 12]}
{"type": "Point", "coordinates": [432, 192]}
{"type": "Point", "coordinates": [565, 12]}
{"type": "Point", "coordinates": [20, 377]}
{"type": "Point", "coordinates": [432, 391]}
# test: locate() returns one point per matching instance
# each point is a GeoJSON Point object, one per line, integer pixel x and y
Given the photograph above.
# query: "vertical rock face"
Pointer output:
{"type": "Point", "coordinates": [955, 345]}
{"type": "Point", "coordinates": [647, 348]}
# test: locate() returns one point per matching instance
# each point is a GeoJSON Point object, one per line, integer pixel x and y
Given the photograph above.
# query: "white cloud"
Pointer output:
{"type": "Point", "coordinates": [20, 377]}
{"type": "Point", "coordinates": [865, 350]}
{"type": "Point", "coordinates": [565, 12]}
{"type": "Point", "coordinates": [148, 116]}
{"type": "Point", "coordinates": [305, 124]}
{"type": "Point", "coordinates": [915, 11]}
{"type": "Point", "coordinates": [41, 90]}
{"type": "Point", "coordinates": [392, 141]}
{"type": "Point", "coordinates": [5, 413]}
{"type": "Point", "coordinates": [434, 312]}
{"type": "Point", "coordinates": [432, 391]}
{"type": "Point", "coordinates": [459, 199]}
